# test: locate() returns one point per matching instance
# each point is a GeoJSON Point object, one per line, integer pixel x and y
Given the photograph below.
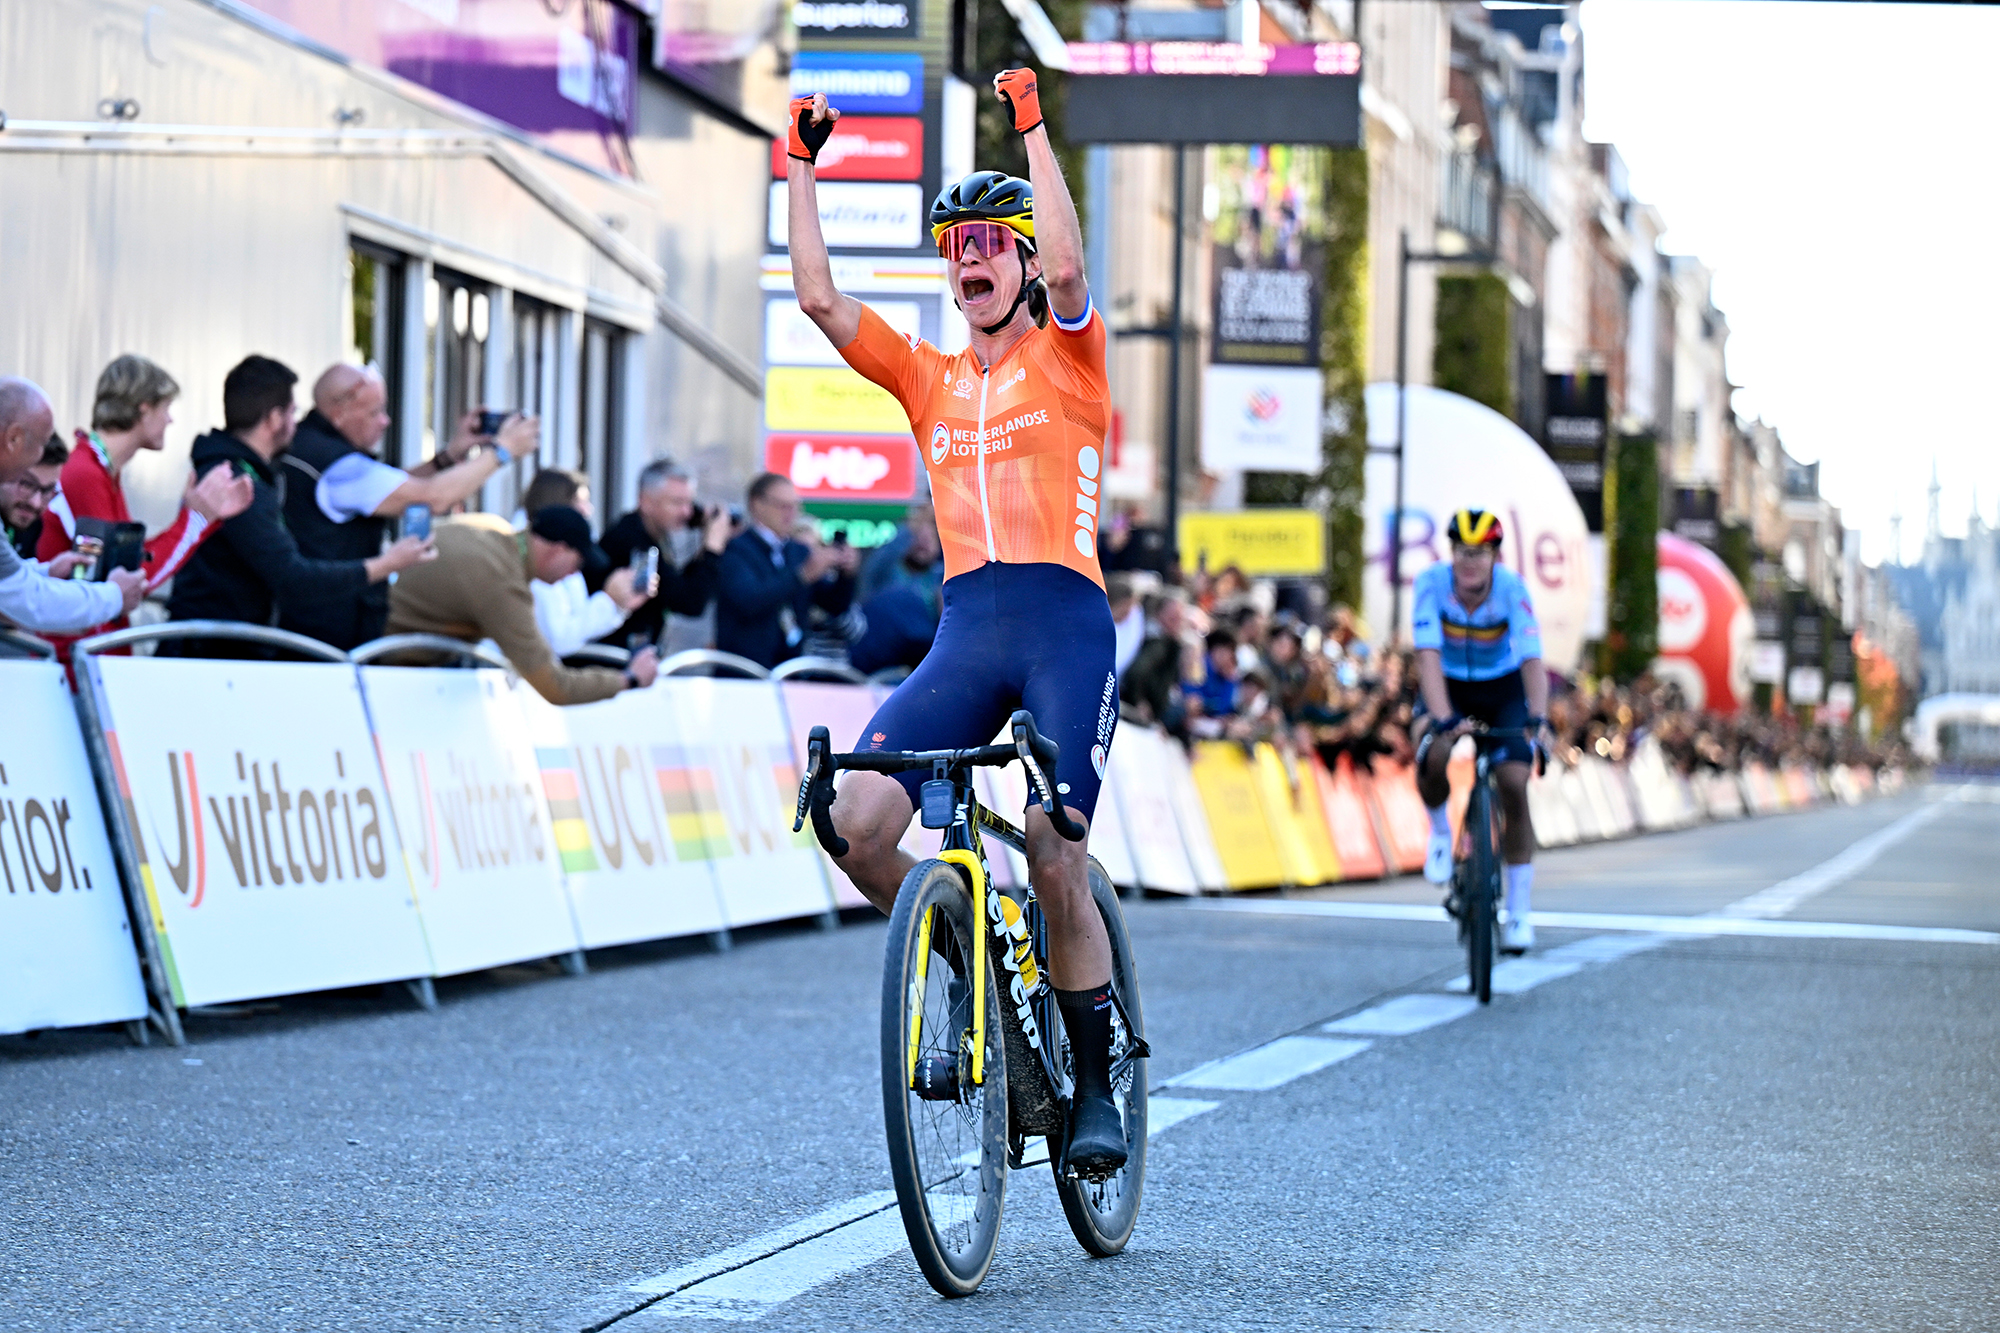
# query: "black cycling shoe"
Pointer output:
{"type": "Point", "coordinates": [1097, 1136]}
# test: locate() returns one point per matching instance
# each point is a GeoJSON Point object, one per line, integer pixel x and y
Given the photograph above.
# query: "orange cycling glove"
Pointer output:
{"type": "Point", "coordinates": [806, 138]}
{"type": "Point", "coordinates": [1017, 89]}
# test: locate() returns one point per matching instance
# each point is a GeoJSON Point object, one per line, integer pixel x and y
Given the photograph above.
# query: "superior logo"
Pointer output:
{"type": "Point", "coordinates": [846, 15]}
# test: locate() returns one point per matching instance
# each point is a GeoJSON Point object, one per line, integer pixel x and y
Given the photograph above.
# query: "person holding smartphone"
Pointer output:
{"type": "Point", "coordinates": [667, 508]}
{"type": "Point", "coordinates": [341, 499]}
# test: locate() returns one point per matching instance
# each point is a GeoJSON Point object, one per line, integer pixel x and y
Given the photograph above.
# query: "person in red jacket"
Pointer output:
{"type": "Point", "coordinates": [133, 408]}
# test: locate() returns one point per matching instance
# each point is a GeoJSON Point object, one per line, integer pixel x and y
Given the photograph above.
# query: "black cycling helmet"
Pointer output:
{"type": "Point", "coordinates": [987, 196]}
{"type": "Point", "coordinates": [992, 196]}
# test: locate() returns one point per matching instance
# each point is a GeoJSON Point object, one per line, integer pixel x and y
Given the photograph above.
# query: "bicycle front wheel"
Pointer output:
{"type": "Point", "coordinates": [1102, 1213]}
{"type": "Point", "coordinates": [1480, 893]}
{"type": "Point", "coordinates": [947, 1133]}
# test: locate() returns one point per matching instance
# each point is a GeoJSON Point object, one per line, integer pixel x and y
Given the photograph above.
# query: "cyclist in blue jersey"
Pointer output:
{"type": "Point", "coordinates": [1479, 659]}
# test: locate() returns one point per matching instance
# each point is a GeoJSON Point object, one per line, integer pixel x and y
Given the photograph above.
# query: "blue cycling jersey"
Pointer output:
{"type": "Point", "coordinates": [1482, 644]}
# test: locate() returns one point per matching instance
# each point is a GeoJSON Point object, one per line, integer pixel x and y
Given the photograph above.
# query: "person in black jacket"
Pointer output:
{"type": "Point", "coordinates": [340, 497]}
{"type": "Point", "coordinates": [769, 583]}
{"type": "Point", "coordinates": [667, 506]}
{"type": "Point", "coordinates": [253, 565]}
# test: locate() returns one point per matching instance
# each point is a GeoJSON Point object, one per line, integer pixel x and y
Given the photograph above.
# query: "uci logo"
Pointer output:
{"type": "Point", "coordinates": [940, 442]}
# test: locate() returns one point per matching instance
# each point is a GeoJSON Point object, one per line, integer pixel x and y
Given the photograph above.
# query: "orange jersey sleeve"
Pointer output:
{"type": "Point", "coordinates": [890, 361]}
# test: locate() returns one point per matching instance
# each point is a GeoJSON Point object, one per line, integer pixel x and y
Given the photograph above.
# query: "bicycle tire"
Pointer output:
{"type": "Point", "coordinates": [1102, 1214]}
{"type": "Point", "coordinates": [948, 1157]}
{"type": "Point", "coordinates": [1483, 868]}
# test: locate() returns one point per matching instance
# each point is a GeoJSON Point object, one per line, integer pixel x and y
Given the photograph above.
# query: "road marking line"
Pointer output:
{"type": "Point", "coordinates": [1403, 1015]}
{"type": "Point", "coordinates": [750, 1292]}
{"type": "Point", "coordinates": [1605, 948]}
{"type": "Point", "coordinates": [1271, 1065]}
{"type": "Point", "coordinates": [771, 1242]}
{"type": "Point", "coordinates": [1667, 925]}
{"type": "Point", "coordinates": [1163, 1113]}
{"type": "Point", "coordinates": [1784, 896]}
{"type": "Point", "coordinates": [1517, 976]}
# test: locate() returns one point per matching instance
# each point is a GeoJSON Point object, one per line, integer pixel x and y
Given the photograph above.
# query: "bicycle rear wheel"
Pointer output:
{"type": "Point", "coordinates": [947, 1143]}
{"type": "Point", "coordinates": [1480, 892]}
{"type": "Point", "coordinates": [1102, 1213]}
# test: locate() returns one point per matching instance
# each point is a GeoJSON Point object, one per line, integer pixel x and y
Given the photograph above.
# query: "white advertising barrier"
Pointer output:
{"type": "Point", "coordinates": [1569, 784]}
{"type": "Point", "coordinates": [1110, 841]}
{"type": "Point", "coordinates": [737, 729]}
{"type": "Point", "coordinates": [1555, 826]}
{"type": "Point", "coordinates": [843, 710]}
{"type": "Point", "coordinates": [633, 814]}
{"type": "Point", "coordinates": [469, 813]}
{"type": "Point", "coordinates": [265, 845]}
{"type": "Point", "coordinates": [1005, 792]}
{"type": "Point", "coordinates": [66, 948]}
{"type": "Point", "coordinates": [1134, 779]}
{"type": "Point", "coordinates": [1191, 818]}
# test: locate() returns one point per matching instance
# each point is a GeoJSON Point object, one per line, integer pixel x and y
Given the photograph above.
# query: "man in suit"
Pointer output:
{"type": "Point", "coordinates": [769, 583]}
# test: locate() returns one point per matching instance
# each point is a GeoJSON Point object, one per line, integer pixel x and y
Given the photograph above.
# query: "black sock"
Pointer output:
{"type": "Point", "coordinates": [1087, 1018]}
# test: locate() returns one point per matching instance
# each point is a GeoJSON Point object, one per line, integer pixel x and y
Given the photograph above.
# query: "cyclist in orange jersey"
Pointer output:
{"type": "Point", "coordinates": [1011, 431]}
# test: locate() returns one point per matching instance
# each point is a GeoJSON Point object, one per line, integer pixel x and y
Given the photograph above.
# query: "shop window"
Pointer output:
{"type": "Point", "coordinates": [375, 325]}
{"type": "Point", "coordinates": [458, 315]}
{"type": "Point", "coordinates": [600, 434]}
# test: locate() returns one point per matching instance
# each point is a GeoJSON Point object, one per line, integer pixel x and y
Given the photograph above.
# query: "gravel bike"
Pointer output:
{"type": "Point", "coordinates": [976, 1074]}
{"type": "Point", "coordinates": [1476, 889]}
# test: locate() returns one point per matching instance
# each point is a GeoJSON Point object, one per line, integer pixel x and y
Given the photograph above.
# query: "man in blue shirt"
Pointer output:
{"type": "Point", "coordinates": [1479, 659]}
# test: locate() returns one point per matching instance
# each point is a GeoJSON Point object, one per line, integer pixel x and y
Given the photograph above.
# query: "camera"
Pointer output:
{"type": "Point", "coordinates": [490, 421]}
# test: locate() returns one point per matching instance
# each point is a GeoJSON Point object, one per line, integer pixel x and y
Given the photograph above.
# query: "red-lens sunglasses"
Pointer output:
{"type": "Point", "coordinates": [988, 239]}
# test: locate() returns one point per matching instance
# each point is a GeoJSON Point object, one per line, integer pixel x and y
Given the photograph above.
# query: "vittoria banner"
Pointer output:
{"type": "Point", "coordinates": [266, 845]}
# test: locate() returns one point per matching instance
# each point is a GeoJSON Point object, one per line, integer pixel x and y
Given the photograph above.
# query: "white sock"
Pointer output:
{"type": "Point", "coordinates": [1520, 883]}
{"type": "Point", "coordinates": [1440, 820]}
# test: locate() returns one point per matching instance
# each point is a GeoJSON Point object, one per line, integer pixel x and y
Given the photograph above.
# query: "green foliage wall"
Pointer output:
{"type": "Point", "coordinates": [1338, 485]}
{"type": "Point", "coordinates": [1474, 336]}
{"type": "Point", "coordinates": [1631, 527]}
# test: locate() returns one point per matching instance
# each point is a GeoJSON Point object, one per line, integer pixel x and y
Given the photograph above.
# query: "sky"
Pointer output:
{"type": "Point", "coordinates": [1838, 166]}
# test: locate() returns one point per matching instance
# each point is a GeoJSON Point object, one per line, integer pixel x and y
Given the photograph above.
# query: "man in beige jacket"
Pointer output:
{"type": "Point", "coordinates": [477, 588]}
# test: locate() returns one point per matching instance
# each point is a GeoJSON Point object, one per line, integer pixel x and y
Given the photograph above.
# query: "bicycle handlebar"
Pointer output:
{"type": "Point", "coordinates": [1036, 752]}
{"type": "Point", "coordinates": [1482, 734]}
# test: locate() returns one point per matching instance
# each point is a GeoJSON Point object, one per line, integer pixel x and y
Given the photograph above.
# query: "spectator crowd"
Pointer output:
{"type": "Point", "coordinates": [300, 524]}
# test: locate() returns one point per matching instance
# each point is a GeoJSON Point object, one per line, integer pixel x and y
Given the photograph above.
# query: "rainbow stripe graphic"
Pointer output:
{"type": "Point", "coordinates": [1463, 633]}
{"type": "Point", "coordinates": [572, 833]}
{"type": "Point", "coordinates": [694, 812]}
{"type": "Point", "coordinates": [131, 811]}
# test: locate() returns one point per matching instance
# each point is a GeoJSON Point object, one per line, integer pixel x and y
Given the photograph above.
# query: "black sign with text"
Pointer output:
{"type": "Point", "coordinates": [1573, 435]}
{"type": "Point", "coordinates": [1697, 515]}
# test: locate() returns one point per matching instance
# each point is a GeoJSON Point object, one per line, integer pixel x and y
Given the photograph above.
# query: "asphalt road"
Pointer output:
{"type": "Point", "coordinates": [1796, 1129]}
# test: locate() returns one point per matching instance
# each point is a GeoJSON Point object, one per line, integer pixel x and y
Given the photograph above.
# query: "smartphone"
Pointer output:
{"type": "Point", "coordinates": [416, 523]}
{"type": "Point", "coordinates": [490, 422]}
{"type": "Point", "coordinates": [645, 567]}
{"type": "Point", "coordinates": [840, 537]}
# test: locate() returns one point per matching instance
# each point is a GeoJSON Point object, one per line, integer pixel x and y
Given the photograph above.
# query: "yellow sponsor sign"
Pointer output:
{"type": "Point", "coordinates": [1228, 786]}
{"type": "Point", "coordinates": [834, 400]}
{"type": "Point", "coordinates": [1257, 541]}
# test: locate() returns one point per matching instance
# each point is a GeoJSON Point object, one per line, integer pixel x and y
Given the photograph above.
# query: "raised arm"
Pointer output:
{"type": "Point", "coordinates": [1058, 235]}
{"type": "Point", "coordinates": [838, 316]}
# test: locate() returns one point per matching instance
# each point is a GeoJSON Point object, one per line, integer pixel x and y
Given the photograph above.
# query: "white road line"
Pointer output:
{"type": "Point", "coordinates": [1403, 1015]}
{"type": "Point", "coordinates": [1517, 976]}
{"type": "Point", "coordinates": [771, 1242]}
{"type": "Point", "coordinates": [1668, 925]}
{"type": "Point", "coordinates": [750, 1292]}
{"type": "Point", "coordinates": [1784, 896]}
{"type": "Point", "coordinates": [1268, 1066]}
{"type": "Point", "coordinates": [1604, 948]}
{"type": "Point", "coordinates": [745, 1282]}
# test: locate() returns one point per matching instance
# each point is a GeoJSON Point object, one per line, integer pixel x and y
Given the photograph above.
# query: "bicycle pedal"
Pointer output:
{"type": "Point", "coordinates": [936, 1079]}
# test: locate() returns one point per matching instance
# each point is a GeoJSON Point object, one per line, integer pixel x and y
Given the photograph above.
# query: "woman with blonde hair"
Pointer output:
{"type": "Point", "coordinates": [132, 410]}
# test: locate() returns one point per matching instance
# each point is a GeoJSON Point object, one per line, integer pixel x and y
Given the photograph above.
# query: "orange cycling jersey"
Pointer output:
{"type": "Point", "coordinates": [1013, 448]}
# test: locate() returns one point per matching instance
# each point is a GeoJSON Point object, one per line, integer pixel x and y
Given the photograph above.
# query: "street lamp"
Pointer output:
{"type": "Point", "coordinates": [1445, 254]}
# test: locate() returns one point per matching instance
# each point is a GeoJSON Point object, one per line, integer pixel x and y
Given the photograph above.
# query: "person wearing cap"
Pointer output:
{"type": "Point", "coordinates": [479, 588]}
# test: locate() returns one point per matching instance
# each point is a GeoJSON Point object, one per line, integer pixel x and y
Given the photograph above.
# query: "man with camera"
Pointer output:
{"type": "Point", "coordinates": [340, 497]}
{"type": "Point", "coordinates": [666, 507]}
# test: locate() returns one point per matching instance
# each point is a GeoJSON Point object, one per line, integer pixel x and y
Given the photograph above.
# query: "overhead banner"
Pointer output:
{"type": "Point", "coordinates": [1574, 434]}
{"type": "Point", "coordinates": [632, 811]}
{"type": "Point", "coordinates": [763, 870]}
{"type": "Point", "coordinates": [1265, 235]}
{"type": "Point", "coordinates": [266, 847]}
{"type": "Point", "coordinates": [66, 949]}
{"type": "Point", "coordinates": [468, 806]}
